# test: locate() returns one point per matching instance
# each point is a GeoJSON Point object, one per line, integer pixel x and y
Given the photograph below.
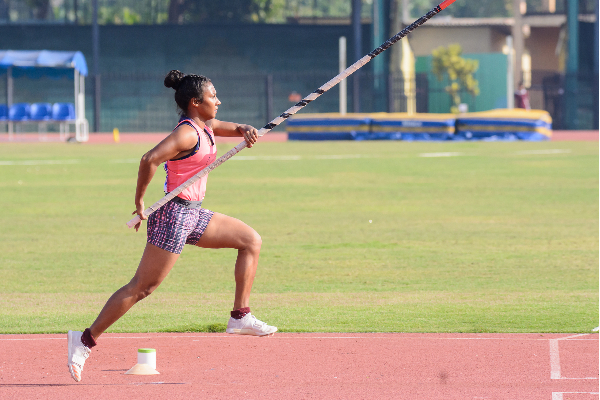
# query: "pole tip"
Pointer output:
{"type": "Point", "coordinates": [446, 3]}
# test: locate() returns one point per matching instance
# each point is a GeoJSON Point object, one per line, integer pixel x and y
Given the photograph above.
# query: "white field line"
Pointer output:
{"type": "Point", "coordinates": [279, 158]}
{"type": "Point", "coordinates": [297, 158]}
{"type": "Point", "coordinates": [270, 158]}
{"type": "Point", "coordinates": [239, 158]}
{"type": "Point", "coordinates": [266, 158]}
{"type": "Point", "coordinates": [443, 154]}
{"type": "Point", "coordinates": [125, 161]}
{"type": "Point", "coordinates": [342, 157]}
{"type": "Point", "coordinates": [546, 151]}
{"type": "Point", "coordinates": [40, 162]}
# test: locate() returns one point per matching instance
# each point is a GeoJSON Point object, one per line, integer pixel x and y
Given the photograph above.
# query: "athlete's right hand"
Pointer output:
{"type": "Point", "coordinates": [140, 212]}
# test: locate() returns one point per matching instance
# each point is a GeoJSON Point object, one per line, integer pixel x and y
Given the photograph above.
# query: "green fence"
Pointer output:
{"type": "Point", "coordinates": [255, 68]}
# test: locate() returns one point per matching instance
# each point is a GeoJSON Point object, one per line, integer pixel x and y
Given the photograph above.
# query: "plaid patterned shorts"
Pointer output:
{"type": "Point", "coordinates": [173, 225]}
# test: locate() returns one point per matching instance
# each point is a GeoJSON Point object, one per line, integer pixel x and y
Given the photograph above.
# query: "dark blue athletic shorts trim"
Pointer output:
{"type": "Point", "coordinates": [174, 225]}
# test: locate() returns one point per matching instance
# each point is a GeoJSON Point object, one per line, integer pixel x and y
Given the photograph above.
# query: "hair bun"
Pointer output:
{"type": "Point", "coordinates": [174, 79]}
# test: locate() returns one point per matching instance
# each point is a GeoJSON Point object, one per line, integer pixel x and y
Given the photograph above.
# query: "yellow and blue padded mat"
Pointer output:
{"type": "Point", "coordinates": [504, 124]}
{"type": "Point", "coordinates": [328, 126]}
{"type": "Point", "coordinates": [412, 127]}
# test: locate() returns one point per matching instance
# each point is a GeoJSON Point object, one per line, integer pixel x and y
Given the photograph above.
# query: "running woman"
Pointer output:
{"type": "Point", "coordinates": [185, 152]}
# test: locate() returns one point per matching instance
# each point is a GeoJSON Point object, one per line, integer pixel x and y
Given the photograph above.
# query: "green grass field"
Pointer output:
{"type": "Point", "coordinates": [357, 237]}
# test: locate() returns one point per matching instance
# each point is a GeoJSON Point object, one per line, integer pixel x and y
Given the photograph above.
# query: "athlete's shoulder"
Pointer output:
{"type": "Point", "coordinates": [184, 134]}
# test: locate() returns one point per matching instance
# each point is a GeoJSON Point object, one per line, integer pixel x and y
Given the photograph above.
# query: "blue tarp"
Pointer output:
{"type": "Point", "coordinates": [37, 63]}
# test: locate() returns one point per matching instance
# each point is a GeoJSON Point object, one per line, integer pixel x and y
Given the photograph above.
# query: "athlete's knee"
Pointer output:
{"type": "Point", "coordinates": [146, 291]}
{"type": "Point", "coordinates": [141, 290]}
{"type": "Point", "coordinates": [253, 241]}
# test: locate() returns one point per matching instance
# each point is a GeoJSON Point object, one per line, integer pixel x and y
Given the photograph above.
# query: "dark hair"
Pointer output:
{"type": "Point", "coordinates": [187, 87]}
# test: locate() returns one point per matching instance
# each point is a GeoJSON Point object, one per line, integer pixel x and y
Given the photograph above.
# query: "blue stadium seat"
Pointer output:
{"type": "Point", "coordinates": [19, 112]}
{"type": "Point", "coordinates": [40, 112]}
{"type": "Point", "coordinates": [63, 112]}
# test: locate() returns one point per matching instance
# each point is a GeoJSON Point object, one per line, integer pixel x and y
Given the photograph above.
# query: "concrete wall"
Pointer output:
{"type": "Point", "coordinates": [542, 46]}
{"type": "Point", "coordinates": [475, 39]}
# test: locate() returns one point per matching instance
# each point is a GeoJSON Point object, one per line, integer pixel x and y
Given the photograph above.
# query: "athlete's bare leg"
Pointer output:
{"type": "Point", "coordinates": [227, 232]}
{"type": "Point", "coordinates": [153, 269]}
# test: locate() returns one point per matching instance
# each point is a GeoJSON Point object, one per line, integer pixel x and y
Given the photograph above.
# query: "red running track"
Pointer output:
{"type": "Point", "coordinates": [309, 366]}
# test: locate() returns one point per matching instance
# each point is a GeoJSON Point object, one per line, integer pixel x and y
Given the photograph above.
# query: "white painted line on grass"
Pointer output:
{"type": "Point", "coordinates": [297, 158]}
{"type": "Point", "coordinates": [40, 162]}
{"type": "Point", "coordinates": [547, 151]}
{"type": "Point", "coordinates": [267, 158]}
{"type": "Point", "coordinates": [341, 157]}
{"type": "Point", "coordinates": [445, 154]}
{"type": "Point", "coordinates": [126, 161]}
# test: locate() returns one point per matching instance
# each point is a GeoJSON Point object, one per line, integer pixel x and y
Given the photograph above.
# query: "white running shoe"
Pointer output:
{"type": "Point", "coordinates": [78, 353]}
{"type": "Point", "coordinates": [249, 325]}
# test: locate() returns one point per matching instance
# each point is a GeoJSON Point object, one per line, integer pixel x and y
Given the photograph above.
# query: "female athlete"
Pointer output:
{"type": "Point", "coordinates": [185, 152]}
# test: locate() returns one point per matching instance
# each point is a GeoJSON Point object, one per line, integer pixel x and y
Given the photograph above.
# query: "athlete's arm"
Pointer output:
{"type": "Point", "coordinates": [231, 129]}
{"type": "Point", "coordinates": [181, 140]}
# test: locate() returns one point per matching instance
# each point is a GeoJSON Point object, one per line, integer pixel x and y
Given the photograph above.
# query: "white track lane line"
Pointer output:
{"type": "Point", "coordinates": [301, 338]}
{"type": "Point", "coordinates": [559, 395]}
{"type": "Point", "coordinates": [554, 360]}
{"type": "Point", "coordinates": [555, 371]}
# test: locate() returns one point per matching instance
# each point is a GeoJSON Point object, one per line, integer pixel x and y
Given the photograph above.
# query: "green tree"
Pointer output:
{"type": "Point", "coordinates": [185, 11]}
{"type": "Point", "coordinates": [464, 9]}
{"type": "Point", "coordinates": [39, 8]}
{"type": "Point", "coordinates": [118, 16]}
{"type": "Point", "coordinates": [448, 62]}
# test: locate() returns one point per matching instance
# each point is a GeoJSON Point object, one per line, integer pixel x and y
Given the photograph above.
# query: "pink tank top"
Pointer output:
{"type": "Point", "coordinates": [180, 170]}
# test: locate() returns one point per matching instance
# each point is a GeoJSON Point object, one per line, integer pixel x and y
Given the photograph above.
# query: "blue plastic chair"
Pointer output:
{"type": "Point", "coordinates": [3, 112]}
{"type": "Point", "coordinates": [40, 112]}
{"type": "Point", "coordinates": [19, 112]}
{"type": "Point", "coordinates": [63, 112]}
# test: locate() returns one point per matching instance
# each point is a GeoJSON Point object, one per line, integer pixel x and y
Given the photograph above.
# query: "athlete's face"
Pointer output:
{"type": "Point", "coordinates": [210, 103]}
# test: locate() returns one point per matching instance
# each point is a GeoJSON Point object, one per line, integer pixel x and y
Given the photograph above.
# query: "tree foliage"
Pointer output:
{"type": "Point", "coordinates": [39, 8]}
{"type": "Point", "coordinates": [464, 9]}
{"type": "Point", "coordinates": [448, 62]}
{"type": "Point", "coordinates": [185, 11]}
{"type": "Point", "coordinates": [262, 11]}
